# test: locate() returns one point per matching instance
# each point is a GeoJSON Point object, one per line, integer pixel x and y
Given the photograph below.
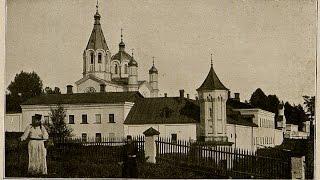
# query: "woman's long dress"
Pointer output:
{"type": "Point", "coordinates": [36, 150]}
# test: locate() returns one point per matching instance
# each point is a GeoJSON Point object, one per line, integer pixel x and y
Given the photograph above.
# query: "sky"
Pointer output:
{"type": "Point", "coordinates": [267, 44]}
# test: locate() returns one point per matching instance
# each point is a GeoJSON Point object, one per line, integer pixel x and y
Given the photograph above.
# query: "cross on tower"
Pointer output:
{"type": "Point", "coordinates": [211, 60]}
{"type": "Point", "coordinates": [97, 6]}
{"type": "Point", "coordinates": [132, 52]}
{"type": "Point", "coordinates": [153, 60]}
{"type": "Point", "coordinates": [121, 34]}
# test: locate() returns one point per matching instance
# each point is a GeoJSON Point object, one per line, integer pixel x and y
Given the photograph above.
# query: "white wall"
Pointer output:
{"type": "Point", "coordinates": [183, 131]}
{"type": "Point", "coordinates": [120, 112]}
{"type": "Point", "coordinates": [13, 122]}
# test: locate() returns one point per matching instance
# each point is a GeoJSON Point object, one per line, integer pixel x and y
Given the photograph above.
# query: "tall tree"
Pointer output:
{"type": "Point", "coordinates": [259, 99]}
{"type": "Point", "coordinates": [58, 128]}
{"type": "Point", "coordinates": [309, 102]}
{"type": "Point", "coordinates": [24, 86]}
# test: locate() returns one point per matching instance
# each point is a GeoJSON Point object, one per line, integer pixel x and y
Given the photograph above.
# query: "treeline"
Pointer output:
{"type": "Point", "coordinates": [24, 86]}
{"type": "Point", "coordinates": [294, 114]}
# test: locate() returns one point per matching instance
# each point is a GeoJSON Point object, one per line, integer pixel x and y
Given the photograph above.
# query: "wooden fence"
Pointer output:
{"type": "Point", "coordinates": [104, 150]}
{"type": "Point", "coordinates": [222, 160]}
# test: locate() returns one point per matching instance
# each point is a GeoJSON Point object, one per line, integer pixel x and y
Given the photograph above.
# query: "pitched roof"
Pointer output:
{"type": "Point", "coordinates": [151, 132]}
{"type": "Point", "coordinates": [236, 104]}
{"type": "Point", "coordinates": [164, 110]}
{"type": "Point", "coordinates": [97, 40]}
{"type": "Point", "coordinates": [235, 117]}
{"type": "Point", "coordinates": [84, 98]}
{"type": "Point", "coordinates": [212, 82]}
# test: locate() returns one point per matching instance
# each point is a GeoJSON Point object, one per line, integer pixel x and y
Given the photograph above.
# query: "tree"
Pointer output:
{"type": "Point", "coordinates": [309, 102]}
{"type": "Point", "coordinates": [259, 99]}
{"type": "Point", "coordinates": [58, 128]}
{"type": "Point", "coordinates": [24, 86]}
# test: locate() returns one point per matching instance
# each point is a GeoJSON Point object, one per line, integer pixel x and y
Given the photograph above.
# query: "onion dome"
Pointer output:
{"type": "Point", "coordinates": [133, 62]}
{"type": "Point", "coordinates": [153, 69]}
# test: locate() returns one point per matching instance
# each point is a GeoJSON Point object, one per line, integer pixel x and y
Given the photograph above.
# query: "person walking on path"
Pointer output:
{"type": "Point", "coordinates": [129, 156]}
{"type": "Point", "coordinates": [36, 134]}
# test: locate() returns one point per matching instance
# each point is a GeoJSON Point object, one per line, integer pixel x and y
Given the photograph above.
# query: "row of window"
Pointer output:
{"type": "Point", "coordinates": [98, 137]}
{"type": "Point", "coordinates": [263, 140]}
{"type": "Point", "coordinates": [265, 123]}
{"type": "Point", "coordinates": [92, 58]}
{"type": "Point", "coordinates": [84, 119]}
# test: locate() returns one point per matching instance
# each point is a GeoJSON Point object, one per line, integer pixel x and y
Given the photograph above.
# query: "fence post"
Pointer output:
{"type": "Point", "coordinates": [150, 148]}
{"type": "Point", "coordinates": [298, 167]}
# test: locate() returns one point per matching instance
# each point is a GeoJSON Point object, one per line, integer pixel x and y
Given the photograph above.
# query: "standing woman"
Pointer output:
{"type": "Point", "coordinates": [37, 134]}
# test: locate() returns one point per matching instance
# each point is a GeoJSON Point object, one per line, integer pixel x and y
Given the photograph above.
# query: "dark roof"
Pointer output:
{"type": "Point", "coordinates": [176, 110]}
{"type": "Point", "coordinates": [164, 110]}
{"type": "Point", "coordinates": [235, 117]}
{"type": "Point", "coordinates": [236, 104]}
{"type": "Point", "coordinates": [151, 132]}
{"type": "Point", "coordinates": [97, 40]}
{"type": "Point", "coordinates": [153, 69]}
{"type": "Point", "coordinates": [84, 98]}
{"type": "Point", "coordinates": [133, 62]}
{"type": "Point", "coordinates": [121, 55]}
{"type": "Point", "coordinates": [212, 82]}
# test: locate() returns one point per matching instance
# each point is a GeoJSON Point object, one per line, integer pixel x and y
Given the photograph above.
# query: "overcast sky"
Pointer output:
{"type": "Point", "coordinates": [256, 44]}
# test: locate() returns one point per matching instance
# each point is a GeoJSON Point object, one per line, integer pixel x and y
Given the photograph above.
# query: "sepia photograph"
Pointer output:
{"type": "Point", "coordinates": [170, 89]}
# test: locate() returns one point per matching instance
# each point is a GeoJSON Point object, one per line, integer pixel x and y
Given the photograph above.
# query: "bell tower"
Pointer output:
{"type": "Point", "coordinates": [213, 96]}
{"type": "Point", "coordinates": [96, 56]}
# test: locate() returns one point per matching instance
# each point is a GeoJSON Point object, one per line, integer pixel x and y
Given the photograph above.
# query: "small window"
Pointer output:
{"type": "Point", "coordinates": [174, 137]}
{"type": "Point", "coordinates": [99, 57]}
{"type": "Point", "coordinates": [98, 118]}
{"type": "Point", "coordinates": [116, 69]}
{"type": "Point", "coordinates": [98, 137]}
{"type": "Point", "coordinates": [46, 120]}
{"type": "Point", "coordinates": [126, 68]}
{"type": "Point", "coordinates": [91, 58]}
{"type": "Point", "coordinates": [84, 119]}
{"type": "Point", "coordinates": [111, 118]}
{"type": "Point", "coordinates": [231, 135]}
{"type": "Point", "coordinates": [71, 119]}
{"type": "Point", "coordinates": [210, 112]}
{"type": "Point", "coordinates": [84, 137]}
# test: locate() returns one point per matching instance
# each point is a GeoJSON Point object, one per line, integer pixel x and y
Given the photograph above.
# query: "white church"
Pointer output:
{"type": "Point", "coordinates": [110, 101]}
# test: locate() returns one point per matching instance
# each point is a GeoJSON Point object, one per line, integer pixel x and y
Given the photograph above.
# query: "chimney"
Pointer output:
{"type": "Point", "coordinates": [188, 96]}
{"type": "Point", "coordinates": [165, 95]}
{"type": "Point", "coordinates": [102, 88]}
{"type": "Point", "coordinates": [237, 96]}
{"type": "Point", "coordinates": [181, 93]}
{"type": "Point", "coordinates": [229, 94]}
{"type": "Point", "coordinates": [69, 89]}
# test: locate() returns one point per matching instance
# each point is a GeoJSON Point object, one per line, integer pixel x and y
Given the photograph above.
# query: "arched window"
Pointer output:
{"type": "Point", "coordinates": [99, 58]}
{"type": "Point", "coordinates": [91, 58]}
{"type": "Point", "coordinates": [126, 69]}
{"type": "Point", "coordinates": [116, 69]}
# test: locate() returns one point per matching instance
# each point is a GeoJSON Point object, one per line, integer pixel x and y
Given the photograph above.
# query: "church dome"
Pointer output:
{"type": "Point", "coordinates": [133, 62]}
{"type": "Point", "coordinates": [153, 69]}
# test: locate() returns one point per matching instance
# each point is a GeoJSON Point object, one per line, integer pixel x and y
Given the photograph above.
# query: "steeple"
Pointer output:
{"type": "Point", "coordinates": [153, 69]}
{"type": "Point", "coordinates": [212, 81]}
{"type": "Point", "coordinates": [121, 44]}
{"type": "Point", "coordinates": [97, 40]}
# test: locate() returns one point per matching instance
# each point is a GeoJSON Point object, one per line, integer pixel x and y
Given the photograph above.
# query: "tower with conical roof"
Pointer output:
{"type": "Point", "coordinates": [133, 75]}
{"type": "Point", "coordinates": [96, 56]}
{"type": "Point", "coordinates": [153, 80]}
{"type": "Point", "coordinates": [213, 96]}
